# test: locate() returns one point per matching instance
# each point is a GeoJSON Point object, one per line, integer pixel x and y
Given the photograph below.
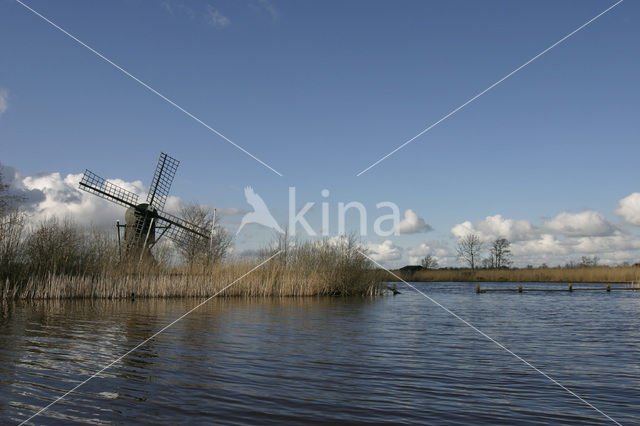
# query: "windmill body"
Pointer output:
{"type": "Point", "coordinates": [140, 227]}
{"type": "Point", "coordinates": [146, 223]}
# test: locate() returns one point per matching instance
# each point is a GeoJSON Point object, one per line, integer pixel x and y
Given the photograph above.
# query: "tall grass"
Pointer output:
{"type": "Point", "coordinates": [592, 274]}
{"type": "Point", "coordinates": [59, 260]}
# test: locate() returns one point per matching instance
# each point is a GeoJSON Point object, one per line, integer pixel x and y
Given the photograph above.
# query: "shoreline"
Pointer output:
{"type": "Point", "coordinates": [592, 274]}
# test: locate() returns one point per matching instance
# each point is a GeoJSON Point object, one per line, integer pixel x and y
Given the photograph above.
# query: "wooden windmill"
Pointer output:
{"type": "Point", "coordinates": [143, 220]}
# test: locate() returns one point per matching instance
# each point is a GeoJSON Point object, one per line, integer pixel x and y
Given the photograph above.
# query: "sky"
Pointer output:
{"type": "Point", "coordinates": [321, 90]}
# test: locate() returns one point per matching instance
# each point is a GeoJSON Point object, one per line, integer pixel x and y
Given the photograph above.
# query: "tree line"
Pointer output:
{"type": "Point", "coordinates": [470, 250]}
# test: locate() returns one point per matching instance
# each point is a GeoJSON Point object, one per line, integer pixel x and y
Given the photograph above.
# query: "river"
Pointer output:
{"type": "Point", "coordinates": [391, 359]}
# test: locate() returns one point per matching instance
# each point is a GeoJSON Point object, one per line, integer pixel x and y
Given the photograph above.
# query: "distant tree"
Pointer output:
{"type": "Point", "coordinates": [571, 264]}
{"type": "Point", "coordinates": [469, 249]}
{"type": "Point", "coordinates": [8, 202]}
{"type": "Point", "coordinates": [588, 262]}
{"type": "Point", "coordinates": [12, 225]}
{"type": "Point", "coordinates": [500, 253]}
{"type": "Point", "coordinates": [429, 262]}
{"type": "Point", "coordinates": [199, 250]}
{"type": "Point", "coordinates": [487, 263]}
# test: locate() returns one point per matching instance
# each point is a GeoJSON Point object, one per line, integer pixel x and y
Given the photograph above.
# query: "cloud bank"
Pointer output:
{"type": "Point", "coordinates": [565, 237]}
{"type": "Point", "coordinates": [412, 224]}
{"type": "Point", "coordinates": [46, 195]}
{"type": "Point", "coordinates": [384, 252]}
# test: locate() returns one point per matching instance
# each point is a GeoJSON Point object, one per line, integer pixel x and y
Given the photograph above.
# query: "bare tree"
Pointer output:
{"type": "Point", "coordinates": [429, 262]}
{"type": "Point", "coordinates": [200, 250]}
{"type": "Point", "coordinates": [487, 262]}
{"type": "Point", "coordinates": [12, 224]}
{"type": "Point", "coordinates": [588, 262]}
{"type": "Point", "coordinates": [469, 249]}
{"type": "Point", "coordinates": [500, 253]}
{"type": "Point", "coordinates": [8, 203]}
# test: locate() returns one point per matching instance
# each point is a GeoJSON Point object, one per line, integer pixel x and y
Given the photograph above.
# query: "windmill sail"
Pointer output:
{"type": "Point", "coordinates": [94, 184]}
{"type": "Point", "coordinates": [162, 180]}
{"type": "Point", "coordinates": [179, 230]}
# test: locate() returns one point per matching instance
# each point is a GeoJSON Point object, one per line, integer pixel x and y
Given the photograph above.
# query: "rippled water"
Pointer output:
{"type": "Point", "coordinates": [326, 360]}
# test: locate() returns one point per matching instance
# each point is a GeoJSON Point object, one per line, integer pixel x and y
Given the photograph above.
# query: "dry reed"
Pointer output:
{"type": "Point", "coordinates": [592, 274]}
{"type": "Point", "coordinates": [59, 261]}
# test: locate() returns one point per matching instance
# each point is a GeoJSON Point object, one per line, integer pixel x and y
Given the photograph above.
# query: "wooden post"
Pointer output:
{"type": "Point", "coordinates": [213, 230]}
{"type": "Point", "coordinates": [570, 287]}
{"type": "Point", "coordinates": [520, 288]}
{"type": "Point", "coordinates": [608, 287]}
{"type": "Point", "coordinates": [119, 245]}
{"type": "Point", "coordinates": [477, 288]}
{"type": "Point", "coordinates": [146, 239]}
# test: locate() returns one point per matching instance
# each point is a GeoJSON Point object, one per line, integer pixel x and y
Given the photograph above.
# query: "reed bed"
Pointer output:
{"type": "Point", "coordinates": [592, 274]}
{"type": "Point", "coordinates": [267, 281]}
{"type": "Point", "coordinates": [58, 260]}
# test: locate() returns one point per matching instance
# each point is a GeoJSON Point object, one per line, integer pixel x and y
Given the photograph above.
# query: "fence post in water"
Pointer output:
{"type": "Point", "coordinates": [519, 288]}
{"type": "Point", "coordinates": [570, 287]}
{"type": "Point", "coordinates": [608, 287]}
{"type": "Point", "coordinates": [477, 288]}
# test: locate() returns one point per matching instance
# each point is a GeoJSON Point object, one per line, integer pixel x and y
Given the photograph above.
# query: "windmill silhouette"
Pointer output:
{"type": "Point", "coordinates": [143, 219]}
{"type": "Point", "coordinates": [260, 214]}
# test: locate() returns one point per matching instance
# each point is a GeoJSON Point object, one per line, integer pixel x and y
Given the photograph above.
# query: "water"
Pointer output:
{"type": "Point", "coordinates": [326, 360]}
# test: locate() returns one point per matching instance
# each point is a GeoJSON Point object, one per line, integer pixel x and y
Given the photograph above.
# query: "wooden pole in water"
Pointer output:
{"type": "Point", "coordinates": [477, 288]}
{"type": "Point", "coordinates": [608, 287]}
{"type": "Point", "coordinates": [520, 288]}
{"type": "Point", "coordinates": [570, 287]}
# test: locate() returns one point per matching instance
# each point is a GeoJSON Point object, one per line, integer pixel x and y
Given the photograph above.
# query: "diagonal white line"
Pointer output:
{"type": "Point", "coordinates": [145, 341]}
{"type": "Point", "coordinates": [500, 345]}
{"type": "Point", "coordinates": [490, 87]}
{"type": "Point", "coordinates": [146, 86]}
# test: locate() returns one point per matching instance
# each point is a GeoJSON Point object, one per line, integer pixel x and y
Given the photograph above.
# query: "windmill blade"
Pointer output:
{"type": "Point", "coordinates": [162, 180]}
{"type": "Point", "coordinates": [179, 230]}
{"type": "Point", "coordinates": [94, 184]}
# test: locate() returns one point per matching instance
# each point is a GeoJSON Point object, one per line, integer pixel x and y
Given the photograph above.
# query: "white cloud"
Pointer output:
{"type": "Point", "coordinates": [545, 245]}
{"type": "Point", "coordinates": [231, 211]}
{"type": "Point", "coordinates": [586, 223]}
{"type": "Point", "coordinates": [384, 251]}
{"type": "Point", "coordinates": [4, 100]}
{"type": "Point", "coordinates": [215, 18]}
{"type": "Point", "coordinates": [412, 224]}
{"type": "Point", "coordinates": [61, 197]}
{"type": "Point", "coordinates": [437, 249]}
{"type": "Point", "coordinates": [550, 249]}
{"type": "Point", "coordinates": [604, 244]}
{"type": "Point", "coordinates": [492, 227]}
{"type": "Point", "coordinates": [629, 209]}
{"type": "Point", "coordinates": [46, 195]}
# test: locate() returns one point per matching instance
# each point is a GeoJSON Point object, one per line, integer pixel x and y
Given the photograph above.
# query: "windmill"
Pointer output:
{"type": "Point", "coordinates": [142, 220]}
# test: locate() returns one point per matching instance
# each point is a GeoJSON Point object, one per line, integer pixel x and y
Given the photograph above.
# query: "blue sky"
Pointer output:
{"type": "Point", "coordinates": [320, 90]}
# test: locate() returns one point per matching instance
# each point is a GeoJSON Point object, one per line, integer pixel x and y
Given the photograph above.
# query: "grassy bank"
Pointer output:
{"type": "Point", "coordinates": [595, 274]}
{"type": "Point", "coordinates": [59, 260]}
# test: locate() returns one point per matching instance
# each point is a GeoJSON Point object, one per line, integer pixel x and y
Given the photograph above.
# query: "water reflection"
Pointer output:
{"type": "Point", "coordinates": [391, 359]}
